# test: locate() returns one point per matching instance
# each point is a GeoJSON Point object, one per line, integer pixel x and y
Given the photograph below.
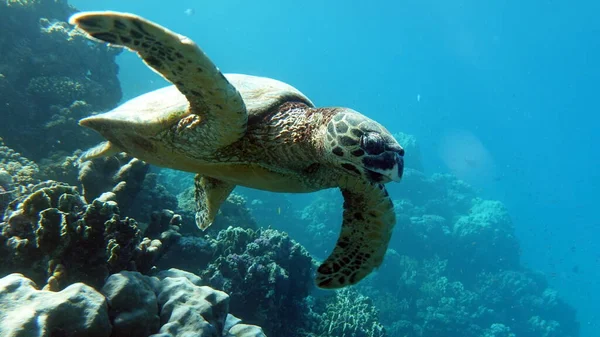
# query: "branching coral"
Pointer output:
{"type": "Point", "coordinates": [345, 313]}
{"type": "Point", "coordinates": [19, 169]}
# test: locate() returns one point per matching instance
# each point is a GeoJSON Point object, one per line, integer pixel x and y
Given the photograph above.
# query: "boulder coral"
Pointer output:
{"type": "Point", "coordinates": [129, 304]}
{"type": "Point", "coordinates": [54, 237]}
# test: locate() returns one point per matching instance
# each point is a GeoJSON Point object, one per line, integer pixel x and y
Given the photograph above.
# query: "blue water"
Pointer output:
{"type": "Point", "coordinates": [508, 87]}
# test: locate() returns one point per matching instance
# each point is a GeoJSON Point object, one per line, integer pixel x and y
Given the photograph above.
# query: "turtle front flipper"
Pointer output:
{"type": "Point", "coordinates": [210, 194]}
{"type": "Point", "coordinates": [366, 230]}
{"type": "Point", "coordinates": [214, 102]}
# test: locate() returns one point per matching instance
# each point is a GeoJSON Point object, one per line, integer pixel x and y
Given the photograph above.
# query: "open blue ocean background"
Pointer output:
{"type": "Point", "coordinates": [502, 94]}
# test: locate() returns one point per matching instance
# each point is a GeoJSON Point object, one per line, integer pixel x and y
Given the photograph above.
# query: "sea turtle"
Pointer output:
{"type": "Point", "coordinates": [251, 131]}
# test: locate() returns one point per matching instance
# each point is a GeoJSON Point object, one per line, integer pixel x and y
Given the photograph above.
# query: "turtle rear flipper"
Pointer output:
{"type": "Point", "coordinates": [104, 149]}
{"type": "Point", "coordinates": [366, 230]}
{"type": "Point", "coordinates": [210, 194]}
{"type": "Point", "coordinates": [214, 102]}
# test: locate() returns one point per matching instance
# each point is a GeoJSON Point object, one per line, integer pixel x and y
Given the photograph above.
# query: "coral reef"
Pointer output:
{"type": "Point", "coordinates": [153, 197]}
{"type": "Point", "coordinates": [118, 178]}
{"type": "Point", "coordinates": [322, 219]}
{"type": "Point", "coordinates": [126, 181]}
{"type": "Point", "coordinates": [175, 181]}
{"type": "Point", "coordinates": [130, 304]}
{"type": "Point", "coordinates": [267, 274]}
{"type": "Point", "coordinates": [452, 269]}
{"type": "Point", "coordinates": [452, 258]}
{"type": "Point", "coordinates": [50, 77]}
{"type": "Point", "coordinates": [423, 297]}
{"type": "Point", "coordinates": [16, 173]}
{"type": "Point", "coordinates": [345, 313]}
{"type": "Point", "coordinates": [15, 169]}
{"type": "Point", "coordinates": [486, 234]}
{"type": "Point", "coordinates": [55, 238]}
{"type": "Point", "coordinates": [61, 166]}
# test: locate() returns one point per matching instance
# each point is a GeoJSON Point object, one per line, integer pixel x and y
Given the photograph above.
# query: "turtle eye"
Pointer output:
{"type": "Point", "coordinates": [372, 143]}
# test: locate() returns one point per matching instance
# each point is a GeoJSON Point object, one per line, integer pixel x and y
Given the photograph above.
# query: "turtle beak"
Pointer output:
{"type": "Point", "coordinates": [388, 166]}
{"type": "Point", "coordinates": [398, 169]}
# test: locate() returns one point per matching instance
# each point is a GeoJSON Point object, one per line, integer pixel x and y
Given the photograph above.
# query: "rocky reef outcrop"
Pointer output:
{"type": "Point", "coordinates": [129, 304]}
{"type": "Point", "coordinates": [267, 275]}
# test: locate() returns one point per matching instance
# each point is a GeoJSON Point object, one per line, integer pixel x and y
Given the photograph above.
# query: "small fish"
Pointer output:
{"type": "Point", "coordinates": [189, 12]}
{"type": "Point", "coordinates": [279, 210]}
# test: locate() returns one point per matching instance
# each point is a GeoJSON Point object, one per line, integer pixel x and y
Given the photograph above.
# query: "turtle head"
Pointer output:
{"type": "Point", "coordinates": [364, 147]}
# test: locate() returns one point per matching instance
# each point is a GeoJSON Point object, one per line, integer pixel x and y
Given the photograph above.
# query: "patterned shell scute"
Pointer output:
{"type": "Point", "coordinates": [261, 93]}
